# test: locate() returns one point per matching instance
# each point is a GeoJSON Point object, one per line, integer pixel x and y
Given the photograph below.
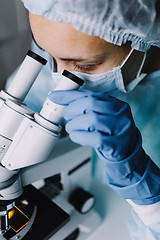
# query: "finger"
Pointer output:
{"type": "Point", "coordinates": [92, 139]}
{"type": "Point", "coordinates": [105, 146]}
{"type": "Point", "coordinates": [90, 103]}
{"type": "Point", "coordinates": [65, 97]}
{"type": "Point", "coordinates": [92, 122]}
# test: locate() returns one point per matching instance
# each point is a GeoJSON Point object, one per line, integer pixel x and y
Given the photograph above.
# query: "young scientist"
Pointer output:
{"type": "Point", "coordinates": [115, 47]}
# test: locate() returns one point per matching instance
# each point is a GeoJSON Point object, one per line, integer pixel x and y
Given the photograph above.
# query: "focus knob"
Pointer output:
{"type": "Point", "coordinates": [82, 200]}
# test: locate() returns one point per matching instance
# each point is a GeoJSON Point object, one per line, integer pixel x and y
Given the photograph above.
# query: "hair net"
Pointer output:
{"type": "Point", "coordinates": [116, 21]}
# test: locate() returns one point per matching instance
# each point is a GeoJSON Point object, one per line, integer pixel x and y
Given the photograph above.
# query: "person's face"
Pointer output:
{"type": "Point", "coordinates": [75, 51]}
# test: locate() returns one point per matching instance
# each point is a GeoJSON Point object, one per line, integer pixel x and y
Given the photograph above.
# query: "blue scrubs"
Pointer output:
{"type": "Point", "coordinates": [145, 104]}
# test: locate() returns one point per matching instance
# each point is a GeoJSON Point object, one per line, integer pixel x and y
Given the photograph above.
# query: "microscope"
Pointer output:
{"type": "Point", "coordinates": [27, 143]}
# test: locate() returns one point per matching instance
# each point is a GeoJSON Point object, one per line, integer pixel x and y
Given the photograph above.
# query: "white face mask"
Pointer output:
{"type": "Point", "coordinates": [110, 82]}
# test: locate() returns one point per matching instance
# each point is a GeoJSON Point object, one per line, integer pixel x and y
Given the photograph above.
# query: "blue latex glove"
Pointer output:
{"type": "Point", "coordinates": [106, 124]}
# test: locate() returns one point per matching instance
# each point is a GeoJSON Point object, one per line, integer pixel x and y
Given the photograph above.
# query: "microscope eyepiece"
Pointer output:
{"type": "Point", "coordinates": [53, 112]}
{"type": "Point", "coordinates": [37, 57]}
{"type": "Point", "coordinates": [26, 75]}
{"type": "Point", "coordinates": [73, 77]}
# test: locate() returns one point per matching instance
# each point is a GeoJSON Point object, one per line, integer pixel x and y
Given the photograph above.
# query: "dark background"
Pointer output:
{"type": "Point", "coordinates": [15, 37]}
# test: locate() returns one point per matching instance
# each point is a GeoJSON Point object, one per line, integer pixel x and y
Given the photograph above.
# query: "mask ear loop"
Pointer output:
{"type": "Point", "coordinates": [125, 60]}
{"type": "Point", "coordinates": [140, 69]}
{"type": "Point", "coordinates": [142, 63]}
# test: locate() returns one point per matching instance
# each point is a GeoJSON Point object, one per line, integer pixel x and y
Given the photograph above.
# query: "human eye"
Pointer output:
{"type": "Point", "coordinates": [84, 67]}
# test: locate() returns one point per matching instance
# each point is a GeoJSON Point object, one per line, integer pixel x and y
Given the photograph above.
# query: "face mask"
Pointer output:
{"type": "Point", "coordinates": [111, 82]}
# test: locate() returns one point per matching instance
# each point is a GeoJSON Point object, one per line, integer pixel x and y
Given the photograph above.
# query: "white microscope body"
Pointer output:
{"type": "Point", "coordinates": [26, 138]}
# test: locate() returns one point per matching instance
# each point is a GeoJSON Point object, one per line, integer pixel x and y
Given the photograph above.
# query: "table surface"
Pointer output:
{"type": "Point", "coordinates": [115, 211]}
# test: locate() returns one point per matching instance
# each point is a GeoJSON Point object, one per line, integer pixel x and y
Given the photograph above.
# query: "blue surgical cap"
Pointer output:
{"type": "Point", "coordinates": [116, 21]}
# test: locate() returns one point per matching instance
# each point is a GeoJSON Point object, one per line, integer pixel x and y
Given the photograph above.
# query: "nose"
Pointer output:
{"type": "Point", "coordinates": [54, 65]}
{"type": "Point", "coordinates": [60, 65]}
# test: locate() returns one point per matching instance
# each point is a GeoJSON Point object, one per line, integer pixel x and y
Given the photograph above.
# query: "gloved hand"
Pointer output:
{"type": "Point", "coordinates": [106, 124]}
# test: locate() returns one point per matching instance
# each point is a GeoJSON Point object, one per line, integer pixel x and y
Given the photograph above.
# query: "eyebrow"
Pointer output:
{"type": "Point", "coordinates": [73, 59]}
{"type": "Point", "coordinates": [95, 59]}
{"type": "Point", "coordinates": [99, 59]}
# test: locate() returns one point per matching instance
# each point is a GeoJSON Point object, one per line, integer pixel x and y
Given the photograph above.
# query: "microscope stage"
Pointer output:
{"type": "Point", "coordinates": [49, 218]}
